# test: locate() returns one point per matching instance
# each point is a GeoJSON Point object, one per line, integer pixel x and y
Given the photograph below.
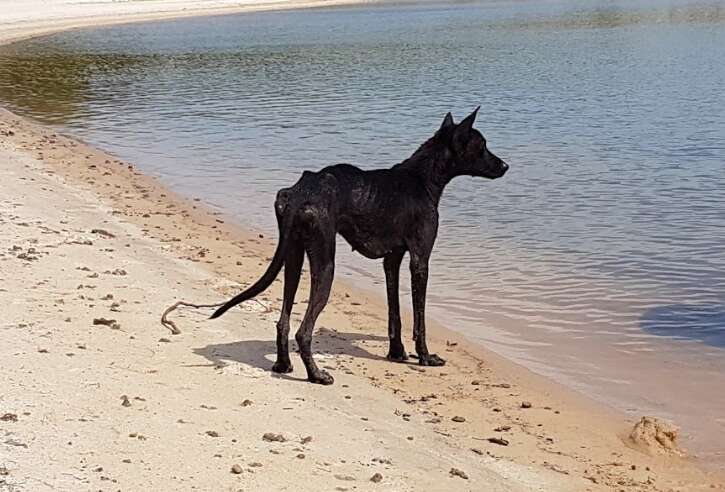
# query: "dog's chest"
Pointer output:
{"type": "Point", "coordinates": [373, 240]}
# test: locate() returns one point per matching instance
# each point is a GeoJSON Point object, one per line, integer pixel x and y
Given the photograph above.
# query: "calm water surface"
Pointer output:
{"type": "Point", "coordinates": [598, 260]}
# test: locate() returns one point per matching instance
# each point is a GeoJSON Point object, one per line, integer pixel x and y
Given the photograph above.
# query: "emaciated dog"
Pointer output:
{"type": "Point", "coordinates": [381, 213]}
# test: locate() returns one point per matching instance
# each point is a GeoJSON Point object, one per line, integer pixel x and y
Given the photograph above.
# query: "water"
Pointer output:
{"type": "Point", "coordinates": [598, 260]}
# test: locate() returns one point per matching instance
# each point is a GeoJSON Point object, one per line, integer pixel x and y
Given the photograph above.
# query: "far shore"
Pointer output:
{"type": "Point", "coordinates": [97, 394]}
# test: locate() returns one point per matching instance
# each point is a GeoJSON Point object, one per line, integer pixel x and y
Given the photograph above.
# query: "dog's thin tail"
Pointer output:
{"type": "Point", "coordinates": [272, 270]}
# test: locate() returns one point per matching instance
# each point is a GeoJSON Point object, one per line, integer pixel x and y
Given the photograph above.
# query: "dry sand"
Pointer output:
{"type": "Point", "coordinates": [26, 18]}
{"type": "Point", "coordinates": [124, 405]}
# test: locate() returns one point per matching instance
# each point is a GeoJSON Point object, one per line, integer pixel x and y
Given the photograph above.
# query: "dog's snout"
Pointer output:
{"type": "Point", "coordinates": [504, 168]}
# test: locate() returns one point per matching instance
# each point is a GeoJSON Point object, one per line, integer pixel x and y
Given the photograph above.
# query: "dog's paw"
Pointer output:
{"type": "Point", "coordinates": [322, 377]}
{"type": "Point", "coordinates": [431, 360]}
{"type": "Point", "coordinates": [283, 367]}
{"type": "Point", "coordinates": [397, 356]}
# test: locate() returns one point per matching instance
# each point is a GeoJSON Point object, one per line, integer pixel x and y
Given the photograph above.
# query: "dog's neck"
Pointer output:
{"type": "Point", "coordinates": [433, 162]}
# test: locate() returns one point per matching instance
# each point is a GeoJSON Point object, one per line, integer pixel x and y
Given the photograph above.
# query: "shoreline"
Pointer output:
{"type": "Point", "coordinates": [195, 235]}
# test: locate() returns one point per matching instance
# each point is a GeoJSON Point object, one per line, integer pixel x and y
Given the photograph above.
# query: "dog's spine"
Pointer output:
{"type": "Point", "coordinates": [272, 271]}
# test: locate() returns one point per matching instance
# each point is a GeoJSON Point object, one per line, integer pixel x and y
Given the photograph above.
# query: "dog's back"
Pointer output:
{"type": "Point", "coordinates": [368, 208]}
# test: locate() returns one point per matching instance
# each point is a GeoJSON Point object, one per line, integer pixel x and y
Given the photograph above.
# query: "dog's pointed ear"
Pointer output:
{"type": "Point", "coordinates": [467, 124]}
{"type": "Point", "coordinates": [445, 132]}
{"type": "Point", "coordinates": [447, 123]}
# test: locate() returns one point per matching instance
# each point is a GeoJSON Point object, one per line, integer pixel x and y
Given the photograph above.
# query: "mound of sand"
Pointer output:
{"type": "Point", "coordinates": [655, 437]}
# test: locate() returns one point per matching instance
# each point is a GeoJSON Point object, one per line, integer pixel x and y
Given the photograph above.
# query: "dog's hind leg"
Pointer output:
{"type": "Point", "coordinates": [321, 253]}
{"type": "Point", "coordinates": [292, 270]}
{"type": "Point", "coordinates": [391, 264]}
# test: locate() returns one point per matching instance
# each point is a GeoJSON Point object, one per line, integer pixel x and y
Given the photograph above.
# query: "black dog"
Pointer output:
{"type": "Point", "coordinates": [382, 214]}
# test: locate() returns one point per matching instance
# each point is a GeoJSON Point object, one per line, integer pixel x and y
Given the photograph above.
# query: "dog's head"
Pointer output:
{"type": "Point", "coordinates": [470, 154]}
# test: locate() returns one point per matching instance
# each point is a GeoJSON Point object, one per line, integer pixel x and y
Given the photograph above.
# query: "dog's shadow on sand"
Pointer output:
{"type": "Point", "coordinates": [261, 354]}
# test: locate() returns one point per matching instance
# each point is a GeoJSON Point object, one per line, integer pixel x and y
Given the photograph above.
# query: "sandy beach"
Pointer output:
{"type": "Point", "coordinates": [98, 395]}
{"type": "Point", "coordinates": [26, 19]}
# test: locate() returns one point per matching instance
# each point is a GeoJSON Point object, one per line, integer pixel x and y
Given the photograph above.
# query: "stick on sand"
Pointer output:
{"type": "Point", "coordinates": [175, 329]}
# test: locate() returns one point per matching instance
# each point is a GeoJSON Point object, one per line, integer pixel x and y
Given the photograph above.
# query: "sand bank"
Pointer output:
{"type": "Point", "coordinates": [28, 18]}
{"type": "Point", "coordinates": [96, 394]}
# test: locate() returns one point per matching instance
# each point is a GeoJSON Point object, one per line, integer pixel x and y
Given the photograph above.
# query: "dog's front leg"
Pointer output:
{"type": "Point", "coordinates": [419, 281]}
{"type": "Point", "coordinates": [391, 264]}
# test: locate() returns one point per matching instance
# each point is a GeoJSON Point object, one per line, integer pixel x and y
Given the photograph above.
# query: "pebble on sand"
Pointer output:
{"type": "Point", "coordinates": [377, 478]}
{"type": "Point", "coordinates": [236, 469]}
{"type": "Point", "coordinates": [103, 232]}
{"type": "Point", "coordinates": [455, 472]}
{"type": "Point", "coordinates": [107, 322]}
{"type": "Point", "coordinates": [272, 437]}
{"type": "Point", "coordinates": [498, 440]}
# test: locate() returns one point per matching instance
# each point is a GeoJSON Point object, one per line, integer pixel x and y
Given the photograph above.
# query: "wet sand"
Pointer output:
{"type": "Point", "coordinates": [97, 394]}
